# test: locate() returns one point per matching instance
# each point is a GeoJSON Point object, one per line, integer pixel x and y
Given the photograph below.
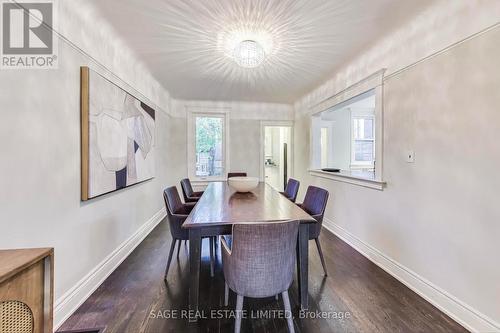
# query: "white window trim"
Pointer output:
{"type": "Point", "coordinates": [372, 82]}
{"type": "Point", "coordinates": [328, 135]}
{"type": "Point", "coordinates": [192, 113]}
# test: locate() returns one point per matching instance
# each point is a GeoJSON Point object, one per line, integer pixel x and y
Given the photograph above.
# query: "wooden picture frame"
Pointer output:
{"type": "Point", "coordinates": [84, 121]}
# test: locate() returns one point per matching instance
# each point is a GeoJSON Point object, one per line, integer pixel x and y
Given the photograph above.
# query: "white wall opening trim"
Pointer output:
{"type": "Point", "coordinates": [362, 179]}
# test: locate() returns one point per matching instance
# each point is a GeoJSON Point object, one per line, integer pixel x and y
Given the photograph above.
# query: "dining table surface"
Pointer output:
{"type": "Point", "coordinates": [221, 206]}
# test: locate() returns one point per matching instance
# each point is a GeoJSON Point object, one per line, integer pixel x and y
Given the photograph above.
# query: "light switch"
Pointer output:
{"type": "Point", "coordinates": [410, 156]}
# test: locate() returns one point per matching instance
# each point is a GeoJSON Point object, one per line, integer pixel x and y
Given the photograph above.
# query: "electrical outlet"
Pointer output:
{"type": "Point", "coordinates": [410, 156]}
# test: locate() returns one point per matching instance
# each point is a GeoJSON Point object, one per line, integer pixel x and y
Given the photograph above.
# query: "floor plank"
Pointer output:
{"type": "Point", "coordinates": [357, 296]}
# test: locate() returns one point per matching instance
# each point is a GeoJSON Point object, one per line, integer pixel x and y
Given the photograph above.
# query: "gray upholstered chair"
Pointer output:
{"type": "Point", "coordinates": [177, 212]}
{"type": "Point", "coordinates": [188, 193]}
{"type": "Point", "coordinates": [259, 261]}
{"type": "Point", "coordinates": [314, 204]}
{"type": "Point", "coordinates": [291, 190]}
{"type": "Point", "coordinates": [236, 174]}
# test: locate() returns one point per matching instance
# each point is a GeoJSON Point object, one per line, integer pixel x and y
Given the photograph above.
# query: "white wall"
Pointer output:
{"type": "Point", "coordinates": [435, 226]}
{"type": "Point", "coordinates": [244, 147]}
{"type": "Point", "coordinates": [40, 183]}
{"type": "Point", "coordinates": [438, 27]}
{"type": "Point", "coordinates": [338, 126]}
{"type": "Point", "coordinates": [244, 129]}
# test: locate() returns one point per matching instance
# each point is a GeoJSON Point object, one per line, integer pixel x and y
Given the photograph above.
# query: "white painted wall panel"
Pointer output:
{"type": "Point", "coordinates": [438, 216]}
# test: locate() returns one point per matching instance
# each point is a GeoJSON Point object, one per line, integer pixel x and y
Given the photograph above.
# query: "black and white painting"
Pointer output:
{"type": "Point", "coordinates": [121, 137]}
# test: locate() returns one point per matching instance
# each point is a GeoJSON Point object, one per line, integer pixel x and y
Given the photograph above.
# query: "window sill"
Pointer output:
{"type": "Point", "coordinates": [365, 179]}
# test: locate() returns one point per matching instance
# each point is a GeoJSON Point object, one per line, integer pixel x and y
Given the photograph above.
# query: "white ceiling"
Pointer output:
{"type": "Point", "coordinates": [182, 41]}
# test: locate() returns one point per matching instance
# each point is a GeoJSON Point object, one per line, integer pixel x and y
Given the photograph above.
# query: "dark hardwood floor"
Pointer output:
{"type": "Point", "coordinates": [356, 297]}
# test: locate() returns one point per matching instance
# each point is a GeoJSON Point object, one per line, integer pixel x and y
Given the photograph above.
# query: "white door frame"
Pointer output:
{"type": "Point", "coordinates": [272, 123]}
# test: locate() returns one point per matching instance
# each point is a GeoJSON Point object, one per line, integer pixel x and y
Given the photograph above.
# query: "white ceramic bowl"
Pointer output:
{"type": "Point", "coordinates": [243, 184]}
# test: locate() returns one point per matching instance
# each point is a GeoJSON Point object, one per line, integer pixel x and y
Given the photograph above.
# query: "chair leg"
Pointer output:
{"type": "Point", "coordinates": [172, 247]}
{"type": "Point", "coordinates": [318, 245]}
{"type": "Point", "coordinates": [288, 311]}
{"type": "Point", "coordinates": [239, 310]}
{"type": "Point", "coordinates": [178, 248]}
{"type": "Point", "coordinates": [211, 256]}
{"type": "Point", "coordinates": [226, 294]}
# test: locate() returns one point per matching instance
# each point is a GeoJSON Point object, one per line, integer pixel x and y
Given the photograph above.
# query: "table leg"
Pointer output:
{"type": "Point", "coordinates": [194, 271]}
{"type": "Point", "coordinates": [303, 265]}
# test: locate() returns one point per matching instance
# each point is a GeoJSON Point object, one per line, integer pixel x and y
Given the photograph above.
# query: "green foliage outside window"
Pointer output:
{"type": "Point", "coordinates": [208, 133]}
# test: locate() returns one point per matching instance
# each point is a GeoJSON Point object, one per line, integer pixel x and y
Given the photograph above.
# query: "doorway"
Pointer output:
{"type": "Point", "coordinates": [277, 154]}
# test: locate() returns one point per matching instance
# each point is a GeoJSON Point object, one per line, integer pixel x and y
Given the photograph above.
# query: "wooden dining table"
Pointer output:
{"type": "Point", "coordinates": [220, 207]}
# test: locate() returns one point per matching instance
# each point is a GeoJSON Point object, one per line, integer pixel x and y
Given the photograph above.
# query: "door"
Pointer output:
{"type": "Point", "coordinates": [277, 155]}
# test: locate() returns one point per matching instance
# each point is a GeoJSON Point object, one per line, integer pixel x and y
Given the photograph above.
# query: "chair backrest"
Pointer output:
{"type": "Point", "coordinates": [174, 206]}
{"type": "Point", "coordinates": [292, 188]}
{"type": "Point", "coordinates": [236, 174]}
{"type": "Point", "coordinates": [187, 189]}
{"type": "Point", "coordinates": [262, 258]}
{"type": "Point", "coordinates": [315, 204]}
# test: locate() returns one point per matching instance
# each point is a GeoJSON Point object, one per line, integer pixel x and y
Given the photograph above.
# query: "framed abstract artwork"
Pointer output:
{"type": "Point", "coordinates": [117, 137]}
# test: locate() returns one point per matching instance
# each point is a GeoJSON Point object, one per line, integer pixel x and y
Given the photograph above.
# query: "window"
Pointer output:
{"type": "Point", "coordinates": [207, 142]}
{"type": "Point", "coordinates": [343, 136]}
{"type": "Point", "coordinates": [363, 141]}
{"type": "Point", "coordinates": [346, 133]}
{"type": "Point", "coordinates": [209, 150]}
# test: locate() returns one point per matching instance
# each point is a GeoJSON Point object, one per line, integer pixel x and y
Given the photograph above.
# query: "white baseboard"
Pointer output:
{"type": "Point", "coordinates": [462, 313]}
{"type": "Point", "coordinates": [73, 298]}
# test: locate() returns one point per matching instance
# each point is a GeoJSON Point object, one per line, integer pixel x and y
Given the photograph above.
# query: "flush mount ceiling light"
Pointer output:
{"type": "Point", "coordinates": [249, 54]}
{"type": "Point", "coordinates": [246, 46]}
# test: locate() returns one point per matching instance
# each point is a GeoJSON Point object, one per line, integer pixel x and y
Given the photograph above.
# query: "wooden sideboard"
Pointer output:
{"type": "Point", "coordinates": [27, 286]}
